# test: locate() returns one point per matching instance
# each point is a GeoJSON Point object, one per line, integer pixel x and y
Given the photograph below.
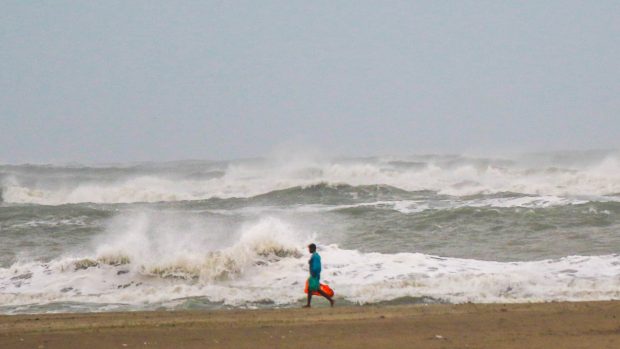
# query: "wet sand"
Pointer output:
{"type": "Point", "coordinates": [541, 325]}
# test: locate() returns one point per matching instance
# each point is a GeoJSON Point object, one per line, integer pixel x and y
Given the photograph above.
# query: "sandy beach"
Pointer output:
{"type": "Point", "coordinates": [540, 325]}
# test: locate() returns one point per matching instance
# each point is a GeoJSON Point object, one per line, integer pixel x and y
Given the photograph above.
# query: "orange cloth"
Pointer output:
{"type": "Point", "coordinates": [328, 291]}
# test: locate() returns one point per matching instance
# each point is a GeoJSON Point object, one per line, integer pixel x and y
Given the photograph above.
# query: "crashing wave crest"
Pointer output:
{"type": "Point", "coordinates": [458, 176]}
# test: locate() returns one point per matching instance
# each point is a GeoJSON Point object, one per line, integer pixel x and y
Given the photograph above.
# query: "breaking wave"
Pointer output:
{"type": "Point", "coordinates": [144, 265]}
{"type": "Point", "coordinates": [233, 234]}
{"type": "Point", "coordinates": [454, 176]}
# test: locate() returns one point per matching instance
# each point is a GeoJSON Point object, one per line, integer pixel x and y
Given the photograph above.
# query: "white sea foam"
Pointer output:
{"type": "Point", "coordinates": [140, 262]}
{"type": "Point", "coordinates": [416, 206]}
{"type": "Point", "coordinates": [139, 189]}
{"type": "Point", "coordinates": [411, 206]}
{"type": "Point", "coordinates": [240, 179]}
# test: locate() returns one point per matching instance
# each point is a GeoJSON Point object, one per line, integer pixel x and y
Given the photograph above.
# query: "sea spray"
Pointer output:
{"type": "Point", "coordinates": [455, 176]}
{"type": "Point", "coordinates": [233, 234]}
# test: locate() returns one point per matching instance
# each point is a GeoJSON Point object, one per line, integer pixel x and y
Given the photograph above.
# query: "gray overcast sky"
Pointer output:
{"type": "Point", "coordinates": [161, 80]}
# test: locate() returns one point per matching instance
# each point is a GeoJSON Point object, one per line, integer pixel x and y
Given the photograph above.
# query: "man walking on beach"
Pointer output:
{"type": "Point", "coordinates": [315, 276]}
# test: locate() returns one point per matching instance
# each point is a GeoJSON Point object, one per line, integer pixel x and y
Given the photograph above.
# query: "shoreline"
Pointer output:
{"type": "Point", "coordinates": [527, 325]}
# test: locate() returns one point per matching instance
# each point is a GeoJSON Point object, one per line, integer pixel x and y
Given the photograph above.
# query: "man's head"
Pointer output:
{"type": "Point", "coordinates": [312, 248]}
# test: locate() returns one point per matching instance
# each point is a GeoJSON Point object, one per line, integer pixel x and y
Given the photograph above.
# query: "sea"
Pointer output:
{"type": "Point", "coordinates": [536, 227]}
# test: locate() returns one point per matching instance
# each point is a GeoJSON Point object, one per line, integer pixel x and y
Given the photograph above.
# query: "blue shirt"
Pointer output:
{"type": "Point", "coordinates": [315, 265]}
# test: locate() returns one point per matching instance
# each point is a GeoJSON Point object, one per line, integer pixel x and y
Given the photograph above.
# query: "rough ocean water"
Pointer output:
{"type": "Point", "coordinates": [200, 234]}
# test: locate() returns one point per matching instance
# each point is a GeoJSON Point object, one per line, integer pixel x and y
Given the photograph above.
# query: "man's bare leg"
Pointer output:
{"type": "Point", "coordinates": [309, 300]}
{"type": "Point", "coordinates": [331, 301]}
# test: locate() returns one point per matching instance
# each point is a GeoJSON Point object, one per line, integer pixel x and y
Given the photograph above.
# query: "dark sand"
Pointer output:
{"type": "Point", "coordinates": [546, 325]}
